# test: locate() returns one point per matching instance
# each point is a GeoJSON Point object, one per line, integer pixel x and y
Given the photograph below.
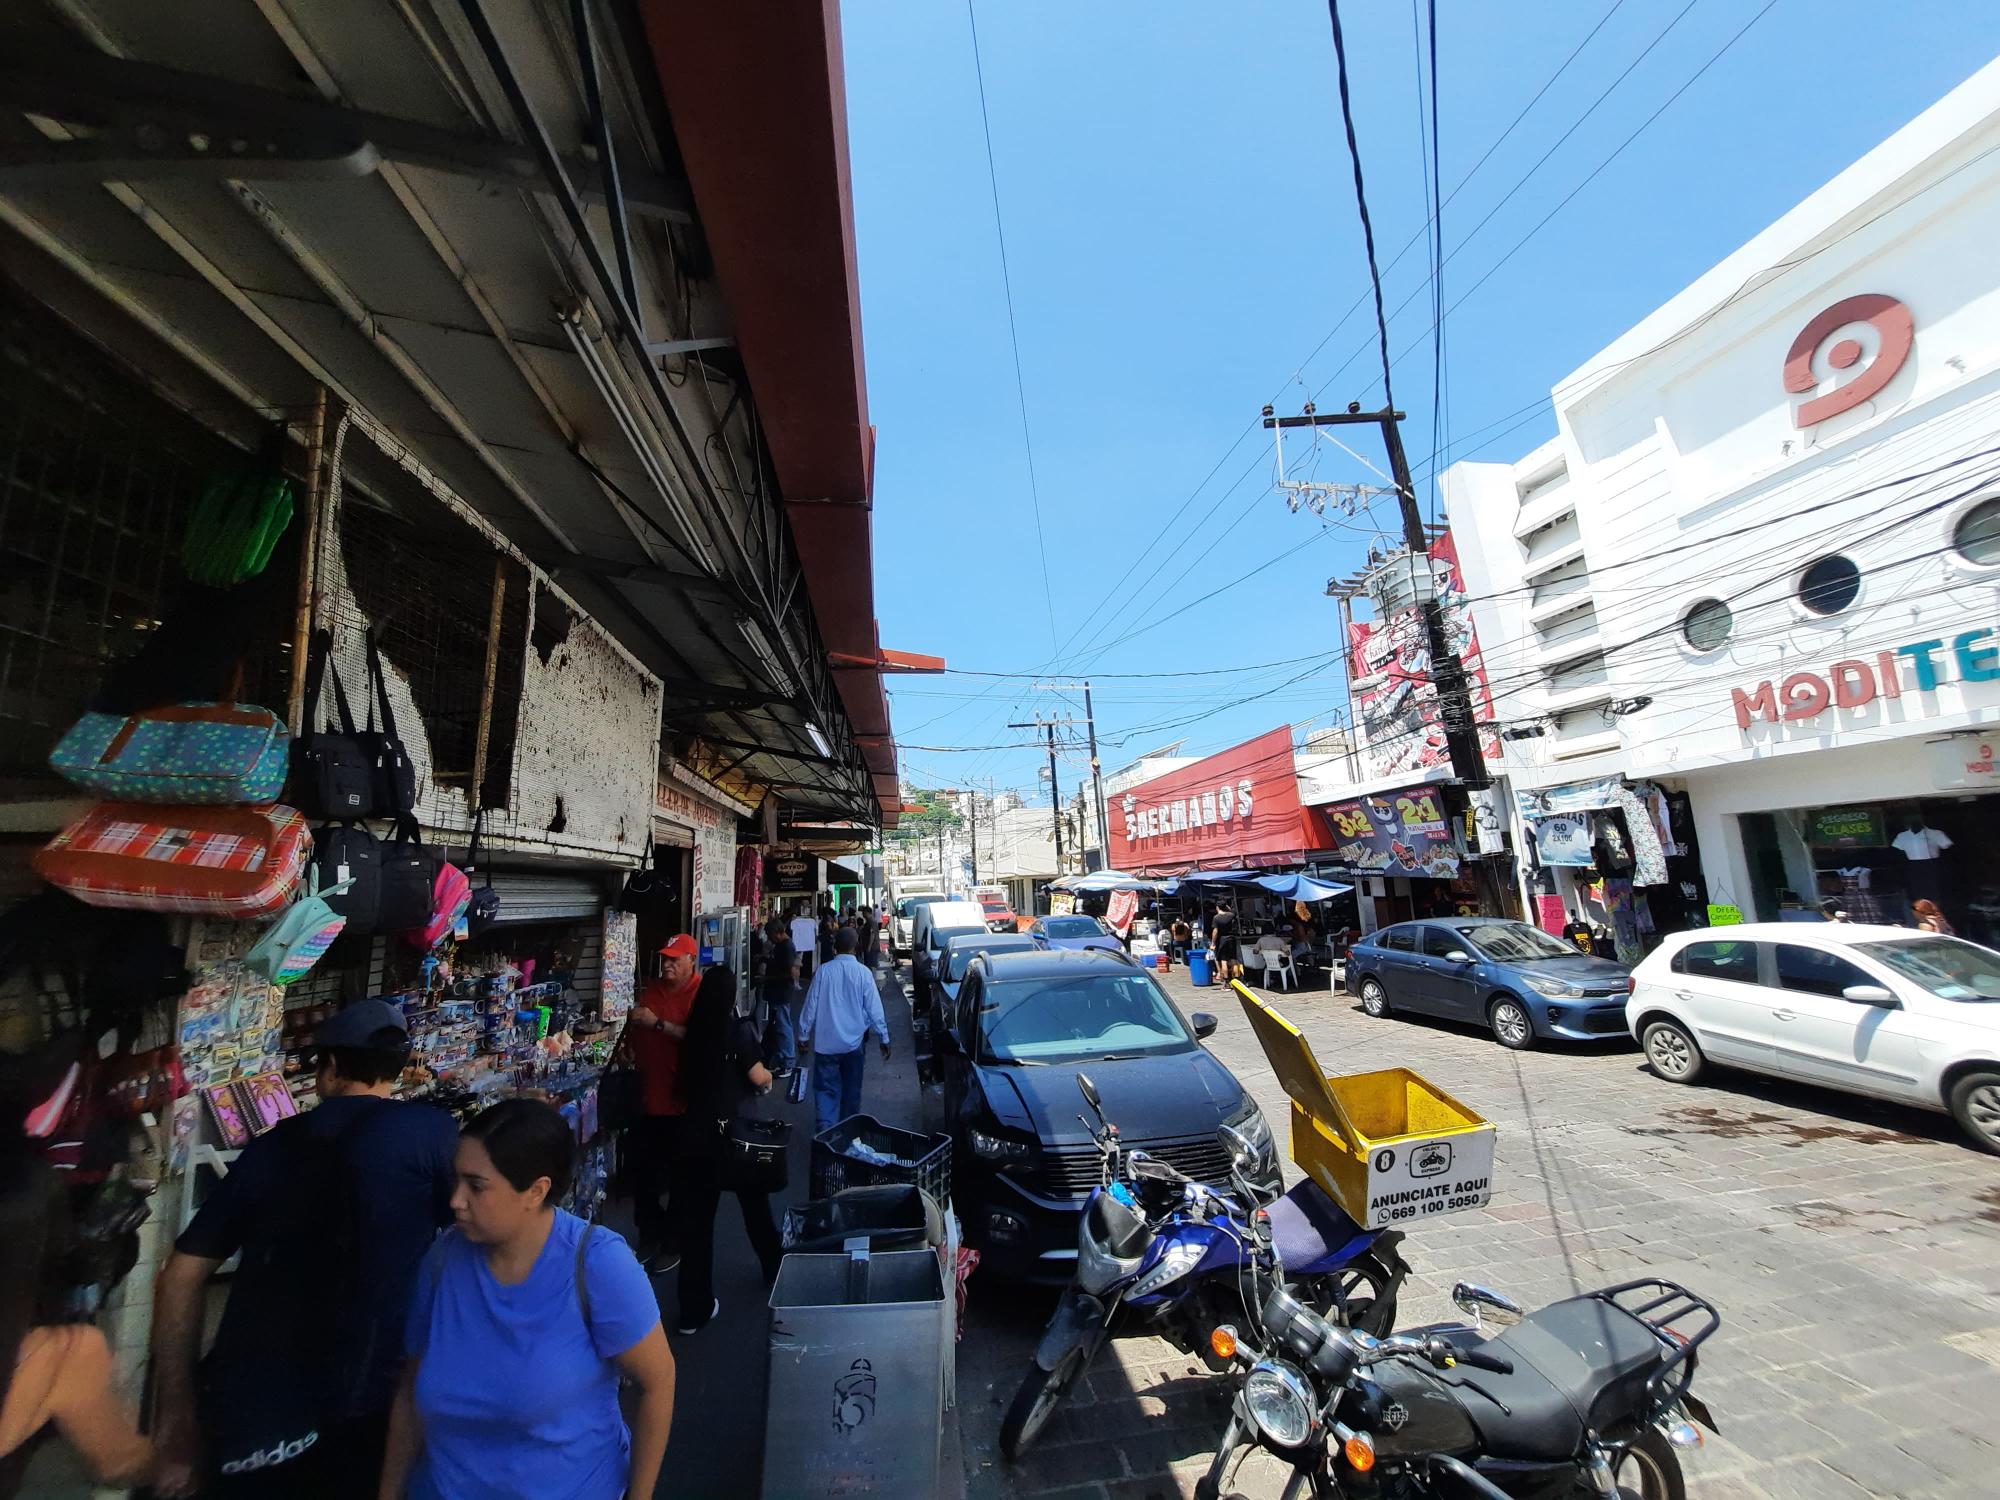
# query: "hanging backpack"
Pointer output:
{"type": "Point", "coordinates": [207, 754]}
{"type": "Point", "coordinates": [347, 865]}
{"type": "Point", "coordinates": [300, 938]}
{"type": "Point", "coordinates": [237, 862]}
{"type": "Point", "coordinates": [236, 524]}
{"type": "Point", "coordinates": [333, 771]}
{"type": "Point", "coordinates": [451, 894]}
{"type": "Point", "coordinates": [484, 909]}
{"type": "Point", "coordinates": [409, 878]}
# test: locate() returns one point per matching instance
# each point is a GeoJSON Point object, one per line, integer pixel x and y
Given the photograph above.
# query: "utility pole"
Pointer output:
{"type": "Point", "coordinates": [1055, 787]}
{"type": "Point", "coordinates": [1461, 734]}
{"type": "Point", "coordinates": [972, 822]}
{"type": "Point", "coordinates": [1097, 779]}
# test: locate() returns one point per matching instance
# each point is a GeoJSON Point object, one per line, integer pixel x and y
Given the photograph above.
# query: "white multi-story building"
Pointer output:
{"type": "Point", "coordinates": [1759, 565]}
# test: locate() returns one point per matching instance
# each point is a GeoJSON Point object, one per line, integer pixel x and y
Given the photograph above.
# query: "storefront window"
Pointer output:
{"type": "Point", "coordinates": [1707, 625]}
{"type": "Point", "coordinates": [1977, 534]}
{"type": "Point", "coordinates": [1829, 585]}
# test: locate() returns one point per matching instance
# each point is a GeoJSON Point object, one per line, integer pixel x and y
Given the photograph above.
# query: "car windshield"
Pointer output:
{"type": "Point", "coordinates": [960, 955]}
{"type": "Point", "coordinates": [1515, 942]}
{"type": "Point", "coordinates": [1072, 927]}
{"type": "Point", "coordinates": [993, 903]}
{"type": "Point", "coordinates": [941, 935]}
{"type": "Point", "coordinates": [1948, 967]}
{"type": "Point", "coordinates": [1079, 1018]}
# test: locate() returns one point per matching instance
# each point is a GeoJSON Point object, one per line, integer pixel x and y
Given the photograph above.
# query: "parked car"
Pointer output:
{"type": "Point", "coordinates": [1024, 1026]}
{"type": "Point", "coordinates": [903, 925]}
{"type": "Point", "coordinates": [1883, 1011]}
{"type": "Point", "coordinates": [1505, 975]}
{"type": "Point", "coordinates": [958, 952]}
{"type": "Point", "coordinates": [1076, 932]}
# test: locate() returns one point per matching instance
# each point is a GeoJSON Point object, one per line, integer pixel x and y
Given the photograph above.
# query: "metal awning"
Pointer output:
{"type": "Point", "coordinates": [539, 260]}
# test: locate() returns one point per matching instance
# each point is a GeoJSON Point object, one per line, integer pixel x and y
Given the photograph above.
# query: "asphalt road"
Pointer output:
{"type": "Point", "coordinates": [1852, 1248]}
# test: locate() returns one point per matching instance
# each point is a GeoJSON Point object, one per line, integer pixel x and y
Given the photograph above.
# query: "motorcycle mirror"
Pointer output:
{"type": "Point", "coordinates": [1473, 1299]}
{"type": "Point", "coordinates": [1242, 1155]}
{"type": "Point", "coordinates": [1089, 1091]}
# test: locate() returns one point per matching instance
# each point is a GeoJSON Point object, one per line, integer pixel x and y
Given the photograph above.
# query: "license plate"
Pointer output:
{"type": "Point", "coordinates": [1698, 1409]}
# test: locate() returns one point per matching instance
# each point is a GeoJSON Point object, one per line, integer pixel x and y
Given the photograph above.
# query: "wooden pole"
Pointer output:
{"type": "Point", "coordinates": [477, 790]}
{"type": "Point", "coordinates": [302, 621]}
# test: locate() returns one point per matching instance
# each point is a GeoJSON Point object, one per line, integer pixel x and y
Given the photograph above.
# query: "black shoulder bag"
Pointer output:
{"type": "Point", "coordinates": [395, 776]}
{"type": "Point", "coordinates": [485, 908]}
{"type": "Point", "coordinates": [333, 770]}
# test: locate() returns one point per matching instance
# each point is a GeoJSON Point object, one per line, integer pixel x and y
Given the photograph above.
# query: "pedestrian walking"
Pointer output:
{"type": "Point", "coordinates": [652, 1039]}
{"type": "Point", "coordinates": [332, 1211]}
{"type": "Point", "coordinates": [524, 1321]}
{"type": "Point", "coordinates": [781, 982]}
{"type": "Point", "coordinates": [721, 1078]}
{"type": "Point", "coordinates": [1930, 919]}
{"type": "Point", "coordinates": [51, 1374]}
{"type": "Point", "coordinates": [1222, 942]}
{"type": "Point", "coordinates": [805, 941]}
{"type": "Point", "coordinates": [842, 1007]}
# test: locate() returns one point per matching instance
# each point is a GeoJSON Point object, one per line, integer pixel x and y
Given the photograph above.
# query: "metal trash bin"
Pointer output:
{"type": "Point", "coordinates": [855, 1397]}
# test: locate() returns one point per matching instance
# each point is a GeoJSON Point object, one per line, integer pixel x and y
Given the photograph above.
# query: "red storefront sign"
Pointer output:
{"type": "Point", "coordinates": [1232, 808]}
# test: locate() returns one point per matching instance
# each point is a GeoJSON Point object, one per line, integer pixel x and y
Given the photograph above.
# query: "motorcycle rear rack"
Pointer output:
{"type": "Point", "coordinates": [1658, 1305]}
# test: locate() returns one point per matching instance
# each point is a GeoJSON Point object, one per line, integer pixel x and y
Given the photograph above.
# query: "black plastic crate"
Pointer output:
{"type": "Point", "coordinates": [921, 1160]}
{"type": "Point", "coordinates": [889, 1215]}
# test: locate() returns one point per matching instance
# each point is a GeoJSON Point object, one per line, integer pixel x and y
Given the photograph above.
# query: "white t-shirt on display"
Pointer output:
{"type": "Point", "coordinates": [1922, 843]}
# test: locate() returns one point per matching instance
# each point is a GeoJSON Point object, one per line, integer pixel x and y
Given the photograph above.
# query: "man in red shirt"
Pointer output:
{"type": "Point", "coordinates": [653, 1038]}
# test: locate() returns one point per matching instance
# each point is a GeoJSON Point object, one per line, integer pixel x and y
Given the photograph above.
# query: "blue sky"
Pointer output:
{"type": "Point", "coordinates": [1181, 235]}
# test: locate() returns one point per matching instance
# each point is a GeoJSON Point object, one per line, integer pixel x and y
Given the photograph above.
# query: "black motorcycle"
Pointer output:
{"type": "Point", "coordinates": [1587, 1397]}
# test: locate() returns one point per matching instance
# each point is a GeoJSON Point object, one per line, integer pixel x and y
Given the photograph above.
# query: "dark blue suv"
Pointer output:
{"type": "Point", "coordinates": [1514, 979]}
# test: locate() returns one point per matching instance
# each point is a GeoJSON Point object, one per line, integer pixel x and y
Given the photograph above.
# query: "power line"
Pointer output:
{"type": "Point", "coordinates": [1013, 332]}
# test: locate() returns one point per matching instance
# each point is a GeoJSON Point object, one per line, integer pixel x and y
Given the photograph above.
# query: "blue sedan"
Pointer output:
{"type": "Point", "coordinates": [1514, 979]}
{"type": "Point", "coordinates": [1075, 933]}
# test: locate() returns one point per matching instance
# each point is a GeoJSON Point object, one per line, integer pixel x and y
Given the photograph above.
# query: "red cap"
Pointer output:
{"type": "Point", "coordinates": [680, 946]}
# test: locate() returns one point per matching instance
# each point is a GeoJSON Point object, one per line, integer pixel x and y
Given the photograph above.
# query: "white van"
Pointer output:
{"type": "Point", "coordinates": [902, 922]}
{"type": "Point", "coordinates": [933, 917]}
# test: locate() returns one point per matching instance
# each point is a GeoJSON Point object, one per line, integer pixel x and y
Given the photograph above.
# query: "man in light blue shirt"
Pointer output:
{"type": "Point", "coordinates": [842, 1006]}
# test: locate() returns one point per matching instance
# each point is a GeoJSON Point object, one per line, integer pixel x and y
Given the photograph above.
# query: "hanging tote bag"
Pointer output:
{"type": "Point", "coordinates": [237, 862]}
{"type": "Point", "coordinates": [409, 877]}
{"type": "Point", "coordinates": [484, 909]}
{"type": "Point", "coordinates": [395, 774]}
{"type": "Point", "coordinates": [300, 938]}
{"type": "Point", "coordinates": [333, 771]}
{"type": "Point", "coordinates": [347, 865]}
{"type": "Point", "coordinates": [203, 754]}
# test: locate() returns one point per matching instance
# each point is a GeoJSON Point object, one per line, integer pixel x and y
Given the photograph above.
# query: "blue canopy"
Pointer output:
{"type": "Point", "coordinates": [1293, 887]}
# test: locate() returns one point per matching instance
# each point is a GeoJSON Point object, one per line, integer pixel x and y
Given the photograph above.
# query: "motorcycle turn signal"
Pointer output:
{"type": "Point", "coordinates": [1223, 1342]}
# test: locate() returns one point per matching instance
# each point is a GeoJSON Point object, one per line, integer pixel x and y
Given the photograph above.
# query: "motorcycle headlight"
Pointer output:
{"type": "Point", "coordinates": [1280, 1403]}
{"type": "Point", "coordinates": [1555, 989]}
{"type": "Point", "coordinates": [1180, 1258]}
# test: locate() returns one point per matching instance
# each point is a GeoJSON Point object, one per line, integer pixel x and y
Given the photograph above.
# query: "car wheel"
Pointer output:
{"type": "Point", "coordinates": [1511, 1025]}
{"type": "Point", "coordinates": [1975, 1104]}
{"type": "Point", "coordinates": [1374, 999]}
{"type": "Point", "coordinates": [1672, 1052]}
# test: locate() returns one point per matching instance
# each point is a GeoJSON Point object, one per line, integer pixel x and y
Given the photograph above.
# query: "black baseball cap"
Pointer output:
{"type": "Point", "coordinates": [353, 1026]}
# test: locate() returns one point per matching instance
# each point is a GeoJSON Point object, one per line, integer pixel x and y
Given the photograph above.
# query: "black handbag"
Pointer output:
{"type": "Point", "coordinates": [343, 852]}
{"type": "Point", "coordinates": [621, 1098]}
{"type": "Point", "coordinates": [408, 881]}
{"type": "Point", "coordinates": [332, 771]}
{"type": "Point", "coordinates": [484, 909]}
{"type": "Point", "coordinates": [755, 1156]}
{"type": "Point", "coordinates": [395, 775]}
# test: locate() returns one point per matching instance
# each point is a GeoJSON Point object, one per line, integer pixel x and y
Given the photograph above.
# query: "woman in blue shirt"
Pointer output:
{"type": "Point", "coordinates": [523, 1320]}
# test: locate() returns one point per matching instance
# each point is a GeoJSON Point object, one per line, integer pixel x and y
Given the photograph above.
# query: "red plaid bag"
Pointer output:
{"type": "Point", "coordinates": [210, 861]}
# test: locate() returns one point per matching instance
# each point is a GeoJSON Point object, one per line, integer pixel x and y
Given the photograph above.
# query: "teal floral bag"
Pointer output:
{"type": "Point", "coordinates": [205, 754]}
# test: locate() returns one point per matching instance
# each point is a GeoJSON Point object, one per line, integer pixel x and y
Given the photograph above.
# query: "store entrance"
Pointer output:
{"type": "Point", "coordinates": [1873, 860]}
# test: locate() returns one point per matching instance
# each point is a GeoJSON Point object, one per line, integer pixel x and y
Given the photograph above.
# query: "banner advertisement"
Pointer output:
{"type": "Point", "coordinates": [1228, 808]}
{"type": "Point", "coordinates": [1397, 833]}
{"type": "Point", "coordinates": [791, 873]}
{"type": "Point", "coordinates": [1389, 663]}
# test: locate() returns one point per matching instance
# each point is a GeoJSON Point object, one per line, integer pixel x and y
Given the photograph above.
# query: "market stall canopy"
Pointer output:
{"type": "Point", "coordinates": [1293, 887]}
{"type": "Point", "coordinates": [1103, 880]}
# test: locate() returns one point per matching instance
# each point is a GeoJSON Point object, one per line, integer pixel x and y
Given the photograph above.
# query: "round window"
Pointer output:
{"type": "Point", "coordinates": [1829, 585]}
{"type": "Point", "coordinates": [1707, 624]}
{"type": "Point", "coordinates": [1977, 534]}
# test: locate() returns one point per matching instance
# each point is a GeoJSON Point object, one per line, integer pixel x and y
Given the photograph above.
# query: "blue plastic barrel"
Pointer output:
{"type": "Point", "coordinates": [1197, 962]}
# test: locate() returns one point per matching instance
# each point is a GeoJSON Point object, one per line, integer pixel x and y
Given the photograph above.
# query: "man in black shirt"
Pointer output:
{"type": "Point", "coordinates": [781, 982]}
{"type": "Point", "coordinates": [1222, 930]}
{"type": "Point", "coordinates": [332, 1211]}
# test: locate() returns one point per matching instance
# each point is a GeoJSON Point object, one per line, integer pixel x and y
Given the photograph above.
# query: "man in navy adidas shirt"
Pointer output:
{"type": "Point", "coordinates": [332, 1212]}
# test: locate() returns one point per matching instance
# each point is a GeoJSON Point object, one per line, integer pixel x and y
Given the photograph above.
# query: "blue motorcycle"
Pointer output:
{"type": "Point", "coordinates": [1160, 1253]}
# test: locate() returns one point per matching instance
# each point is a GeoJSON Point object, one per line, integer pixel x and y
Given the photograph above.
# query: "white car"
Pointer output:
{"type": "Point", "coordinates": [902, 924]}
{"type": "Point", "coordinates": [1884, 1011]}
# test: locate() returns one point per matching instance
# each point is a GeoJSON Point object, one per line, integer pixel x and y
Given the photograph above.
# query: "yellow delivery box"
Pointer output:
{"type": "Point", "coordinates": [1386, 1146]}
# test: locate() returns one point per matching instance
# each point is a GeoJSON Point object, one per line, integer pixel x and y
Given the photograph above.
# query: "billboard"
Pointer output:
{"type": "Point", "coordinates": [1397, 833]}
{"type": "Point", "coordinates": [1389, 666]}
{"type": "Point", "coordinates": [1230, 808]}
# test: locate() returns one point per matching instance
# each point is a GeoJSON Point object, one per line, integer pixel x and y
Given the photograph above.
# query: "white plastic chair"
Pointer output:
{"type": "Point", "coordinates": [1278, 965]}
{"type": "Point", "coordinates": [1251, 959]}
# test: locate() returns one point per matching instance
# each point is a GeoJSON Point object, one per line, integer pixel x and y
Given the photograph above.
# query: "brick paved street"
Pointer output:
{"type": "Point", "coordinates": [1853, 1249]}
